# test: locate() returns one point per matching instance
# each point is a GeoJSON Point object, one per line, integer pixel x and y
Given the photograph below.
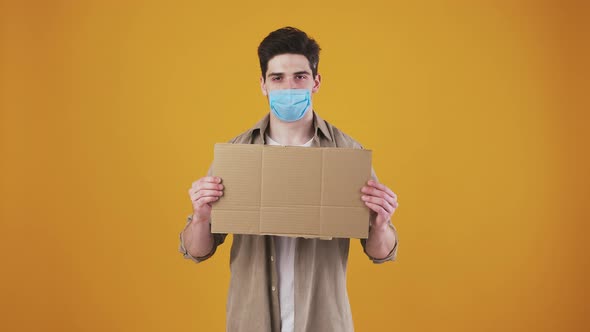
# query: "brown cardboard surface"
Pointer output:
{"type": "Point", "coordinates": [291, 191]}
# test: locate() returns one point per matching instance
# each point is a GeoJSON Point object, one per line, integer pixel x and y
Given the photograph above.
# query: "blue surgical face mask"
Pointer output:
{"type": "Point", "coordinates": [289, 105]}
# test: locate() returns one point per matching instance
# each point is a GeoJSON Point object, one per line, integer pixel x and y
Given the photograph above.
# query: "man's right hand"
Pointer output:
{"type": "Point", "coordinates": [203, 192]}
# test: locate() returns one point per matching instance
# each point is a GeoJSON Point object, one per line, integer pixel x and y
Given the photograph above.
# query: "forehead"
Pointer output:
{"type": "Point", "coordinates": [288, 63]}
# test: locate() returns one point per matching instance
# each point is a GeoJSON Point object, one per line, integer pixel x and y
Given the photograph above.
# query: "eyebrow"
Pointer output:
{"type": "Point", "coordinates": [296, 73]}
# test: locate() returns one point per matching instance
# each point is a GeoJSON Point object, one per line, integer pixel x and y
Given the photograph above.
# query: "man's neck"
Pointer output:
{"type": "Point", "coordinates": [292, 133]}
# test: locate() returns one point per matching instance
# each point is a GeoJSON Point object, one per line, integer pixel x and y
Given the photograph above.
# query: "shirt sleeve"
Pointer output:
{"type": "Point", "coordinates": [392, 254]}
{"type": "Point", "coordinates": [217, 240]}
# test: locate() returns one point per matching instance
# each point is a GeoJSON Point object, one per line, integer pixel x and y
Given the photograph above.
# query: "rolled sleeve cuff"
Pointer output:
{"type": "Point", "coordinates": [392, 254]}
{"type": "Point", "coordinates": [181, 248]}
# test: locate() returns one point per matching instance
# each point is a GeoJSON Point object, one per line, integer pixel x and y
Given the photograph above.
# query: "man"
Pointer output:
{"type": "Point", "coordinates": [282, 283]}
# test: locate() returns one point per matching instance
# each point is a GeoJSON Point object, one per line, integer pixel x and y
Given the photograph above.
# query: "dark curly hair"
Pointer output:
{"type": "Point", "coordinates": [288, 40]}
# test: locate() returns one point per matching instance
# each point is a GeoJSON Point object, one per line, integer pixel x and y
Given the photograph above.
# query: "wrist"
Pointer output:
{"type": "Point", "coordinates": [381, 227]}
{"type": "Point", "coordinates": [194, 219]}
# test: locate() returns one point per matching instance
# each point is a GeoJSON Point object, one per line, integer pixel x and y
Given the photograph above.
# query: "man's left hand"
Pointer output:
{"type": "Point", "coordinates": [381, 200]}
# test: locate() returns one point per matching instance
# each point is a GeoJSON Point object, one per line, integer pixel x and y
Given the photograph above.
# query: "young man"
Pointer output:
{"type": "Point", "coordinates": [282, 283]}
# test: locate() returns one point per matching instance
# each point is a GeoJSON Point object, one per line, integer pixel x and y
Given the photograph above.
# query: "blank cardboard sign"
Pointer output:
{"type": "Point", "coordinates": [291, 191]}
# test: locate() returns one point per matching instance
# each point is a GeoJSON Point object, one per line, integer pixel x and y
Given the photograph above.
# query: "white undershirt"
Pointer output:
{"type": "Point", "coordinates": [285, 247]}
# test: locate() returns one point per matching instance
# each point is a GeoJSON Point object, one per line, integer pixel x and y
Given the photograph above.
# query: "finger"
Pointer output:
{"type": "Point", "coordinates": [208, 179]}
{"type": "Point", "coordinates": [378, 193]}
{"type": "Point", "coordinates": [195, 190]}
{"type": "Point", "coordinates": [204, 200]}
{"type": "Point", "coordinates": [207, 193]}
{"type": "Point", "coordinates": [208, 185]}
{"type": "Point", "coordinates": [378, 201]}
{"type": "Point", "coordinates": [378, 209]}
{"type": "Point", "coordinates": [213, 179]}
{"type": "Point", "coordinates": [382, 187]}
{"type": "Point", "coordinates": [200, 194]}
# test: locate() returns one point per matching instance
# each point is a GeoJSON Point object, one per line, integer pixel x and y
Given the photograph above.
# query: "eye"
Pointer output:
{"type": "Point", "coordinates": [276, 78]}
{"type": "Point", "coordinates": [300, 77]}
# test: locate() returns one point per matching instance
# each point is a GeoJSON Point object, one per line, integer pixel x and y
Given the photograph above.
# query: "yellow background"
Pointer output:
{"type": "Point", "coordinates": [476, 112]}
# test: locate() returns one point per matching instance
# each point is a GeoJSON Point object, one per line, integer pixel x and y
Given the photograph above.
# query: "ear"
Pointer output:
{"type": "Point", "coordinates": [263, 85]}
{"type": "Point", "coordinates": [317, 81]}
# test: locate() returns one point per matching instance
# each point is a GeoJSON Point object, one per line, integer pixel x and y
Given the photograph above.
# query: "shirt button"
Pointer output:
{"type": "Point", "coordinates": [273, 288]}
{"type": "Point", "coordinates": [272, 258]}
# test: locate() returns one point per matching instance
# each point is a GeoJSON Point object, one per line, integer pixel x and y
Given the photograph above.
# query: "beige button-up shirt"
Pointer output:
{"type": "Point", "coordinates": [321, 298]}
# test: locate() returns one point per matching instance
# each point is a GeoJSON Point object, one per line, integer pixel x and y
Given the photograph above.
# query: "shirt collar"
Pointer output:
{"type": "Point", "coordinates": [318, 123]}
